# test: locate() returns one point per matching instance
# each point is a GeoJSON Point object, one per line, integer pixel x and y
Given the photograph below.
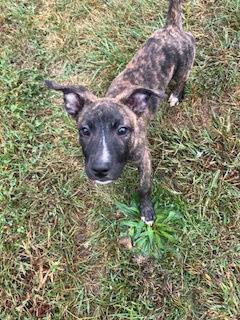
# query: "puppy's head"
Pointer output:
{"type": "Point", "coordinates": [108, 127]}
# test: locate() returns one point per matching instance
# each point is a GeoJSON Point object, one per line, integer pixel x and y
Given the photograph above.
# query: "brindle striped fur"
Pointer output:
{"type": "Point", "coordinates": [134, 95]}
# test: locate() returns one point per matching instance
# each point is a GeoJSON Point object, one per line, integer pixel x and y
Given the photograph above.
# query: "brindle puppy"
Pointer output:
{"type": "Point", "coordinates": [112, 130]}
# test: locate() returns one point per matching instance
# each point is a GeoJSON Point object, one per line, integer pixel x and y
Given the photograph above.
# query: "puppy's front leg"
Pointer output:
{"type": "Point", "coordinates": [146, 206]}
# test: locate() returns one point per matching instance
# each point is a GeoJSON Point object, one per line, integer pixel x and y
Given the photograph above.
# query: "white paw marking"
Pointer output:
{"type": "Point", "coordinates": [173, 100]}
{"type": "Point", "coordinates": [149, 223]}
{"type": "Point", "coordinates": [103, 182]}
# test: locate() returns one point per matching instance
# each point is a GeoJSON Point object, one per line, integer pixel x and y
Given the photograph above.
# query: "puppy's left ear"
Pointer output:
{"type": "Point", "coordinates": [141, 99]}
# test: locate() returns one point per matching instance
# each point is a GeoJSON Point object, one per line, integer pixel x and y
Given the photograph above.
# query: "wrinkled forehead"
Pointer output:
{"type": "Point", "coordinates": [106, 114]}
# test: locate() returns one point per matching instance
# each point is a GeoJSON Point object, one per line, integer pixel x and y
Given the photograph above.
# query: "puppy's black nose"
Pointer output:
{"type": "Point", "coordinates": [101, 169]}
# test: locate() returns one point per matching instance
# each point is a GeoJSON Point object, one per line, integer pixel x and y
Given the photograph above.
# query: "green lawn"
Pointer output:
{"type": "Point", "coordinates": [60, 236]}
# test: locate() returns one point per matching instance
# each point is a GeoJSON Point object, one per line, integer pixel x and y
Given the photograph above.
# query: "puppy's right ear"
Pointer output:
{"type": "Point", "coordinates": [75, 97]}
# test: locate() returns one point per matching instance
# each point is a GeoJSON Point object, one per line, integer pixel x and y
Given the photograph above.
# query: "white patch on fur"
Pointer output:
{"type": "Point", "coordinates": [103, 182]}
{"type": "Point", "coordinates": [149, 223]}
{"type": "Point", "coordinates": [173, 100]}
{"type": "Point", "coordinates": [105, 156]}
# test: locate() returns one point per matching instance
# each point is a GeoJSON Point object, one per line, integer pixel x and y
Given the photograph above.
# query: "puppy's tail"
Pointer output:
{"type": "Point", "coordinates": [174, 16]}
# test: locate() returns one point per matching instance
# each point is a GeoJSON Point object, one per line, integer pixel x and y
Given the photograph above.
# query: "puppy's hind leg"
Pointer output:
{"type": "Point", "coordinates": [178, 92]}
{"type": "Point", "coordinates": [181, 76]}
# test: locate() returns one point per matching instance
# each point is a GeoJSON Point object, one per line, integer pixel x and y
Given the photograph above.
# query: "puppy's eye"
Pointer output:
{"type": "Point", "coordinates": [122, 131]}
{"type": "Point", "coordinates": [85, 131]}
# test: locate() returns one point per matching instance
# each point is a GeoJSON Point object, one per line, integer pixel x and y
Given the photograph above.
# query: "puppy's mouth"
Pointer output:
{"type": "Point", "coordinates": [103, 182]}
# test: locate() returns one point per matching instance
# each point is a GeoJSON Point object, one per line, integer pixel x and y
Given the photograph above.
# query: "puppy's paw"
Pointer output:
{"type": "Point", "coordinates": [148, 222]}
{"type": "Point", "coordinates": [147, 214]}
{"type": "Point", "coordinates": [173, 100]}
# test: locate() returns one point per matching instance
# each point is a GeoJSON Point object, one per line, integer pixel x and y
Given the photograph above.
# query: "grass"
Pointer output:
{"type": "Point", "coordinates": [151, 241]}
{"type": "Point", "coordinates": [61, 256]}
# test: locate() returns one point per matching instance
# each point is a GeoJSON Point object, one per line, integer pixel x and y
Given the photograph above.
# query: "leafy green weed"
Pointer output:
{"type": "Point", "coordinates": [152, 241]}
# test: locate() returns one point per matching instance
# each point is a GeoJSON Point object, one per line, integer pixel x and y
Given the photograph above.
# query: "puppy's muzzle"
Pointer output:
{"type": "Point", "coordinates": [100, 169]}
